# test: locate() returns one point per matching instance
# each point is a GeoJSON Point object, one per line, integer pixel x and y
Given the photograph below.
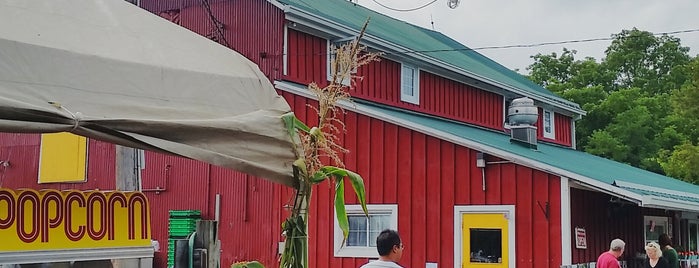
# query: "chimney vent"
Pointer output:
{"type": "Point", "coordinates": [522, 115]}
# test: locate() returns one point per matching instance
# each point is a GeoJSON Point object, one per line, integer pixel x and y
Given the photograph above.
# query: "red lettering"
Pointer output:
{"type": "Point", "coordinates": [96, 197]}
{"type": "Point", "coordinates": [10, 200]}
{"type": "Point", "coordinates": [48, 197]}
{"type": "Point", "coordinates": [22, 199]}
{"type": "Point", "coordinates": [113, 199]}
{"type": "Point", "coordinates": [70, 198]}
{"type": "Point", "coordinates": [141, 199]}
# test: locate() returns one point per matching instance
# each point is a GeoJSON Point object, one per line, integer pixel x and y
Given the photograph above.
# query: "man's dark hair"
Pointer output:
{"type": "Point", "coordinates": [664, 240]}
{"type": "Point", "coordinates": [386, 240]}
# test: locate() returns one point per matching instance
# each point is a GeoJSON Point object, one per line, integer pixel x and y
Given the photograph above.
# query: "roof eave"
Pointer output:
{"type": "Point", "coordinates": [319, 23]}
{"type": "Point", "coordinates": [668, 203]}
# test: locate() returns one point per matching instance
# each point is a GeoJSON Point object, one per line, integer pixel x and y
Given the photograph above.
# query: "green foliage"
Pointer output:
{"type": "Point", "coordinates": [641, 100]}
{"type": "Point", "coordinates": [643, 60]}
{"type": "Point", "coordinates": [296, 243]}
{"type": "Point", "coordinates": [252, 264]}
{"type": "Point", "coordinates": [686, 105]}
{"type": "Point", "coordinates": [683, 163]}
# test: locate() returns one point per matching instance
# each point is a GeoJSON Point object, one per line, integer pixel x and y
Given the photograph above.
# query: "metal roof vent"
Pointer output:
{"type": "Point", "coordinates": [522, 115]}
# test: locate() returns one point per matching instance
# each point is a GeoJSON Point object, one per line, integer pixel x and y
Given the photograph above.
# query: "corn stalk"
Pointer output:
{"type": "Point", "coordinates": [319, 145]}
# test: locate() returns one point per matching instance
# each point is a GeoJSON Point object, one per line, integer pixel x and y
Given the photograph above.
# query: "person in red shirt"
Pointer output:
{"type": "Point", "coordinates": [610, 258]}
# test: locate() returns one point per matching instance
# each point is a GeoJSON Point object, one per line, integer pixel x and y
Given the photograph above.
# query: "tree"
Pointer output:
{"type": "Point", "coordinates": [636, 98]}
{"type": "Point", "coordinates": [640, 59]}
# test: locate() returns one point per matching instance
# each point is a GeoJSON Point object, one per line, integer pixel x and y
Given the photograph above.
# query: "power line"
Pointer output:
{"type": "Point", "coordinates": [521, 45]}
{"type": "Point", "coordinates": [575, 41]}
{"type": "Point", "coordinates": [404, 10]}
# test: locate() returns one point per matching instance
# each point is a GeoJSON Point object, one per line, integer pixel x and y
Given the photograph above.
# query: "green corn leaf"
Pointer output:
{"type": "Point", "coordinates": [358, 185]}
{"type": "Point", "coordinates": [355, 179]}
{"type": "Point", "coordinates": [319, 177]}
{"type": "Point", "coordinates": [340, 209]}
{"type": "Point", "coordinates": [252, 264]}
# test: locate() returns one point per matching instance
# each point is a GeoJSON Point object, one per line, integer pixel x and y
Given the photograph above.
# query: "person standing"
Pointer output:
{"type": "Point", "coordinates": [609, 259]}
{"type": "Point", "coordinates": [390, 249]}
{"type": "Point", "coordinates": [669, 253]}
{"type": "Point", "coordinates": [655, 257]}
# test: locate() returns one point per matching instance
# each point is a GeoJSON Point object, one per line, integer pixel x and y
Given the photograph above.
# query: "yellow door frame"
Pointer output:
{"type": "Point", "coordinates": [508, 212]}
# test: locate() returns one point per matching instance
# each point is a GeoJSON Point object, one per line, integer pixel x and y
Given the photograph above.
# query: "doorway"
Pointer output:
{"type": "Point", "coordinates": [484, 236]}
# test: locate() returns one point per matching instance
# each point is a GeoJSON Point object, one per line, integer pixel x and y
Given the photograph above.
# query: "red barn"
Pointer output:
{"type": "Point", "coordinates": [428, 133]}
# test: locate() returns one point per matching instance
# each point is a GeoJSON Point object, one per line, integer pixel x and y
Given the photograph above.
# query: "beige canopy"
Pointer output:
{"type": "Point", "coordinates": [109, 70]}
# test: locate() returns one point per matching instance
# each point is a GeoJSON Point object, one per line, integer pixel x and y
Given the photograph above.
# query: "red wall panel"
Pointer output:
{"type": "Point", "coordinates": [562, 125]}
{"type": "Point", "coordinates": [427, 177]}
{"type": "Point", "coordinates": [306, 58]}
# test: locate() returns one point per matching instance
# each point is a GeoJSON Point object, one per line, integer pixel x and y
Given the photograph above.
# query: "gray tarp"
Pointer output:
{"type": "Point", "coordinates": [109, 70]}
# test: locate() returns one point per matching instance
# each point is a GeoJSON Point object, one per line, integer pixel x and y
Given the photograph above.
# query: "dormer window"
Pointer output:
{"type": "Point", "coordinates": [549, 125]}
{"type": "Point", "coordinates": [410, 84]}
{"type": "Point", "coordinates": [332, 55]}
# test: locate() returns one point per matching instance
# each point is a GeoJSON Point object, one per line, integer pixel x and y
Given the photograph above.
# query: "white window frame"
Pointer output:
{"type": "Point", "coordinates": [363, 252]}
{"type": "Point", "coordinates": [552, 133]}
{"type": "Point", "coordinates": [664, 220]}
{"type": "Point", "coordinates": [328, 66]}
{"type": "Point", "coordinates": [415, 98]}
{"type": "Point", "coordinates": [285, 59]}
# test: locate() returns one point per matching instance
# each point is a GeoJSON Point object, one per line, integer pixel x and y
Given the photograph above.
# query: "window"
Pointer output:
{"type": "Point", "coordinates": [693, 236]}
{"type": "Point", "coordinates": [486, 245]}
{"type": "Point", "coordinates": [361, 241]}
{"type": "Point", "coordinates": [331, 55]}
{"type": "Point", "coordinates": [654, 227]}
{"type": "Point", "coordinates": [548, 124]}
{"type": "Point", "coordinates": [63, 158]}
{"type": "Point", "coordinates": [410, 84]}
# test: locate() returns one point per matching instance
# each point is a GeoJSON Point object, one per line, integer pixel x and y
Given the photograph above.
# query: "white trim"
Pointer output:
{"type": "Point", "coordinates": [277, 4]}
{"type": "Point", "coordinates": [508, 210]}
{"type": "Point", "coordinates": [494, 151]}
{"type": "Point", "coordinates": [341, 250]}
{"type": "Point", "coordinates": [566, 232]}
{"type": "Point", "coordinates": [415, 97]}
{"type": "Point", "coordinates": [285, 50]}
{"type": "Point", "coordinates": [317, 22]}
{"type": "Point", "coordinates": [328, 59]}
{"type": "Point", "coordinates": [573, 142]}
{"type": "Point", "coordinates": [621, 183]}
{"type": "Point", "coordinates": [668, 203]}
{"type": "Point", "coordinates": [552, 133]}
{"type": "Point", "coordinates": [63, 255]}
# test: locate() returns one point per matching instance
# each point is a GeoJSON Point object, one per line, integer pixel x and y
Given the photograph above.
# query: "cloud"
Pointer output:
{"type": "Point", "coordinates": [480, 23]}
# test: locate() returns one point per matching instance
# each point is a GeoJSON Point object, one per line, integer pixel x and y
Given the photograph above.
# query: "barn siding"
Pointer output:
{"type": "Point", "coordinates": [562, 125]}
{"type": "Point", "coordinates": [307, 62]}
{"type": "Point", "coordinates": [22, 151]}
{"type": "Point", "coordinates": [244, 22]}
{"type": "Point", "coordinates": [427, 177]}
{"type": "Point", "coordinates": [603, 221]}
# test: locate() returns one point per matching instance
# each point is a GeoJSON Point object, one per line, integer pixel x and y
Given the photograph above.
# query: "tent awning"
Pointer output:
{"type": "Point", "coordinates": [109, 70]}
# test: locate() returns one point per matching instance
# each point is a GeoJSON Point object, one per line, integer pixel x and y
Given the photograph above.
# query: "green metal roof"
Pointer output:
{"type": "Point", "coordinates": [416, 38]}
{"type": "Point", "coordinates": [577, 162]}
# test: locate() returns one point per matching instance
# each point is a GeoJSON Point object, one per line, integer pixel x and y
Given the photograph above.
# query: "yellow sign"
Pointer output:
{"type": "Point", "coordinates": [63, 158]}
{"type": "Point", "coordinates": [51, 219]}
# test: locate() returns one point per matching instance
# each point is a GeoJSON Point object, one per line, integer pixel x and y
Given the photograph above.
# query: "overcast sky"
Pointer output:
{"type": "Point", "coordinates": [483, 23]}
